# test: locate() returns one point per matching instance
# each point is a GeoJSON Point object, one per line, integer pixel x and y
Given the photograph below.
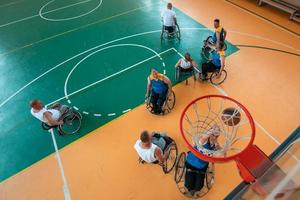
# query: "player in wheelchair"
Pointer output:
{"type": "Point", "coordinates": [185, 67]}
{"type": "Point", "coordinates": [212, 43]}
{"type": "Point", "coordinates": [196, 173]}
{"type": "Point", "coordinates": [170, 27]}
{"type": "Point", "coordinates": [58, 116]}
{"type": "Point", "coordinates": [159, 94]}
{"type": "Point", "coordinates": [216, 64]}
{"type": "Point", "coordinates": [157, 148]}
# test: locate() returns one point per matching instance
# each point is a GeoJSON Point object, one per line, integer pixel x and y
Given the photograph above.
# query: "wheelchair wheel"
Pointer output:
{"type": "Point", "coordinates": [217, 81]}
{"type": "Point", "coordinates": [210, 176]}
{"type": "Point", "coordinates": [170, 162]}
{"type": "Point", "coordinates": [180, 167]}
{"type": "Point", "coordinates": [170, 102]}
{"type": "Point", "coordinates": [178, 34]}
{"type": "Point", "coordinates": [72, 123]}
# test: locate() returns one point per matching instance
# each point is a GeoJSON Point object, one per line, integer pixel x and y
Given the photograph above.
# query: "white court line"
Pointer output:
{"type": "Point", "coordinates": [84, 112]}
{"type": "Point", "coordinates": [131, 36]}
{"type": "Point", "coordinates": [11, 3]}
{"type": "Point", "coordinates": [125, 111]}
{"type": "Point", "coordinates": [66, 190]}
{"type": "Point", "coordinates": [112, 75]}
{"type": "Point", "coordinates": [41, 13]}
{"type": "Point", "coordinates": [258, 17]}
{"type": "Point", "coordinates": [108, 77]}
{"type": "Point", "coordinates": [111, 114]}
{"type": "Point", "coordinates": [223, 92]}
{"type": "Point", "coordinates": [37, 15]}
{"type": "Point", "coordinates": [97, 115]}
{"type": "Point", "coordinates": [73, 107]}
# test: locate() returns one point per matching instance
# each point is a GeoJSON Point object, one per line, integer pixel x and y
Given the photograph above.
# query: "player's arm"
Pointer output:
{"type": "Point", "coordinates": [168, 82]}
{"type": "Point", "coordinates": [218, 39]}
{"type": "Point", "coordinates": [225, 33]}
{"type": "Point", "coordinates": [174, 18]}
{"type": "Point", "coordinates": [178, 63]}
{"type": "Point", "coordinates": [158, 154]}
{"type": "Point", "coordinates": [194, 64]}
{"type": "Point", "coordinates": [222, 59]}
{"type": "Point", "coordinates": [50, 121]}
{"type": "Point", "coordinates": [148, 87]}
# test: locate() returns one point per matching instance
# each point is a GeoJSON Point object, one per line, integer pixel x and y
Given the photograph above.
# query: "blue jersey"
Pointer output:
{"type": "Point", "coordinates": [216, 58]}
{"type": "Point", "coordinates": [195, 161]}
{"type": "Point", "coordinates": [158, 85]}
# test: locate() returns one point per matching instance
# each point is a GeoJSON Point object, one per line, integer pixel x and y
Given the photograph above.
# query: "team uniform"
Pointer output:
{"type": "Point", "coordinates": [220, 30]}
{"type": "Point", "coordinates": [159, 91]}
{"type": "Point", "coordinates": [195, 170]}
{"type": "Point", "coordinates": [213, 65]}
{"type": "Point", "coordinates": [40, 115]}
{"type": "Point", "coordinates": [185, 66]}
{"type": "Point", "coordinates": [168, 20]}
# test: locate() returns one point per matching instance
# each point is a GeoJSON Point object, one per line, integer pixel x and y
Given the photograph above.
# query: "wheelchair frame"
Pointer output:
{"type": "Point", "coordinates": [206, 50]}
{"type": "Point", "coordinates": [68, 116]}
{"type": "Point", "coordinates": [178, 75]}
{"type": "Point", "coordinates": [180, 170]}
{"type": "Point", "coordinates": [166, 166]}
{"type": "Point", "coordinates": [175, 34]}
{"type": "Point", "coordinates": [167, 106]}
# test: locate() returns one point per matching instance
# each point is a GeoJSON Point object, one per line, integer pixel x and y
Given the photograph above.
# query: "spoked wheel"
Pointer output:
{"type": "Point", "coordinates": [149, 105]}
{"type": "Point", "coordinates": [210, 176]}
{"type": "Point", "coordinates": [218, 80]}
{"type": "Point", "coordinates": [170, 162]}
{"type": "Point", "coordinates": [180, 168]}
{"type": "Point", "coordinates": [169, 103]}
{"type": "Point", "coordinates": [206, 54]}
{"type": "Point", "coordinates": [178, 34]}
{"type": "Point", "coordinates": [72, 123]}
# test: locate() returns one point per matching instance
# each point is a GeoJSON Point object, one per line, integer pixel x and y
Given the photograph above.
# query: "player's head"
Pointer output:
{"type": "Point", "coordinates": [231, 116]}
{"type": "Point", "coordinates": [216, 23]}
{"type": "Point", "coordinates": [169, 6]}
{"type": "Point", "coordinates": [145, 137]}
{"type": "Point", "coordinates": [154, 73]}
{"type": "Point", "coordinates": [187, 56]}
{"type": "Point", "coordinates": [36, 104]}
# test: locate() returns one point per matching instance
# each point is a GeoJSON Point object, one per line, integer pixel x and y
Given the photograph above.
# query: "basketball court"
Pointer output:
{"type": "Point", "coordinates": [95, 56]}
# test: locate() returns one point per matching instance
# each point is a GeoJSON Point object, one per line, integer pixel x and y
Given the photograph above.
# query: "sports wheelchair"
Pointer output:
{"type": "Point", "coordinates": [167, 106]}
{"type": "Point", "coordinates": [167, 34]}
{"type": "Point", "coordinates": [209, 47]}
{"type": "Point", "coordinates": [70, 117]}
{"type": "Point", "coordinates": [169, 147]}
{"type": "Point", "coordinates": [181, 74]}
{"type": "Point", "coordinates": [180, 172]}
{"type": "Point", "coordinates": [212, 76]}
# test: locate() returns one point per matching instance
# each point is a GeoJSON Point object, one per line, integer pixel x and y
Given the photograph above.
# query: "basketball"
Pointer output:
{"type": "Point", "coordinates": [231, 116]}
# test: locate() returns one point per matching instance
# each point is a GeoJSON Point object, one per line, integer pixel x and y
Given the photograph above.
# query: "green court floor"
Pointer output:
{"type": "Point", "coordinates": [99, 60]}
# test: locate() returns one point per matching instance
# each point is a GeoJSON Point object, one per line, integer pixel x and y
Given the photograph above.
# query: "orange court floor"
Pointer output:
{"type": "Point", "coordinates": [264, 75]}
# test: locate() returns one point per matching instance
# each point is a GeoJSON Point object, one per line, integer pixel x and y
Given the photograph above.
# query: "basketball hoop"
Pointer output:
{"type": "Point", "coordinates": [218, 128]}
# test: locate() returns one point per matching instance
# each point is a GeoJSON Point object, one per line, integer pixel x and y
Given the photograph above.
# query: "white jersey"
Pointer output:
{"type": "Point", "coordinates": [40, 114]}
{"type": "Point", "coordinates": [148, 155]}
{"type": "Point", "coordinates": [168, 17]}
{"type": "Point", "coordinates": [185, 64]}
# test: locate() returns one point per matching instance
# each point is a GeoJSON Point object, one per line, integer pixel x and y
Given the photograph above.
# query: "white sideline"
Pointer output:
{"type": "Point", "coordinates": [66, 190]}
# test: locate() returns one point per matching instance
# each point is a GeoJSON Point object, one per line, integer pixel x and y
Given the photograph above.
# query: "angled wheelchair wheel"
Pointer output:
{"type": "Point", "coordinates": [72, 123]}
{"type": "Point", "coordinates": [149, 105]}
{"type": "Point", "coordinates": [206, 54]}
{"type": "Point", "coordinates": [210, 176]}
{"type": "Point", "coordinates": [180, 168]}
{"type": "Point", "coordinates": [170, 102]}
{"type": "Point", "coordinates": [177, 74]}
{"type": "Point", "coordinates": [218, 80]}
{"type": "Point", "coordinates": [170, 162]}
{"type": "Point", "coordinates": [178, 33]}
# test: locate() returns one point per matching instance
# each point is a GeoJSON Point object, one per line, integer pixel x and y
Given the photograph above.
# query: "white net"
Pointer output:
{"type": "Point", "coordinates": [218, 121]}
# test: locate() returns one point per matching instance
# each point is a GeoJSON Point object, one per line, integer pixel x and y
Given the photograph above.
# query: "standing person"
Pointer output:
{"type": "Point", "coordinates": [168, 18]}
{"type": "Point", "coordinates": [220, 33]}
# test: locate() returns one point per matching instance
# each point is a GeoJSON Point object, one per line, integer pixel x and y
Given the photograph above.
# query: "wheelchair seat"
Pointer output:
{"type": "Point", "coordinates": [70, 117]}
